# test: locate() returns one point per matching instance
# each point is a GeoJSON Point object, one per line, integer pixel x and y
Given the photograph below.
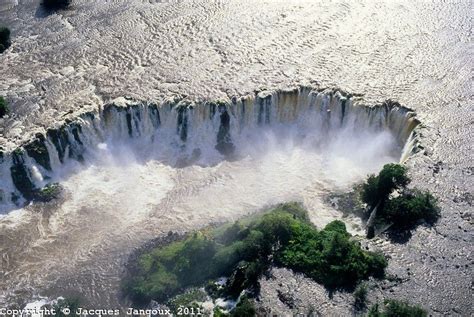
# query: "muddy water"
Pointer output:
{"type": "Point", "coordinates": [417, 52]}
{"type": "Point", "coordinates": [78, 246]}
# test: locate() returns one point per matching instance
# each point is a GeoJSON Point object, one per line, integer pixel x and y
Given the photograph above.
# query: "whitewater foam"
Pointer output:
{"type": "Point", "coordinates": [135, 171]}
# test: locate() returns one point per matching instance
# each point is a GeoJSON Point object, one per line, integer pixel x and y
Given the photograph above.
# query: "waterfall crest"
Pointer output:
{"type": "Point", "coordinates": [180, 132]}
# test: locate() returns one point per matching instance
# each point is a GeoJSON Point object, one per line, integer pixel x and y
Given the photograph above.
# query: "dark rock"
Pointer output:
{"type": "Point", "coordinates": [76, 130]}
{"type": "Point", "coordinates": [236, 282]}
{"type": "Point", "coordinates": [48, 193]}
{"type": "Point", "coordinates": [21, 179]}
{"type": "Point", "coordinates": [39, 152]}
{"type": "Point", "coordinates": [128, 117]}
{"type": "Point", "coordinates": [287, 299]}
{"type": "Point", "coordinates": [224, 141]}
{"type": "Point", "coordinates": [154, 114]}
{"type": "Point", "coordinates": [370, 232]}
{"type": "Point", "coordinates": [60, 140]}
{"type": "Point", "coordinates": [182, 124]}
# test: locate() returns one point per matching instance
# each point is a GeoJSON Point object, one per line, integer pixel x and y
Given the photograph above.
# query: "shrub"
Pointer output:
{"type": "Point", "coordinates": [232, 233]}
{"type": "Point", "coordinates": [4, 38]}
{"type": "Point", "coordinates": [3, 104]}
{"type": "Point", "coordinates": [378, 188]}
{"type": "Point", "coordinates": [395, 308]}
{"type": "Point", "coordinates": [189, 299]}
{"type": "Point", "coordinates": [329, 256]}
{"type": "Point", "coordinates": [244, 308]}
{"type": "Point", "coordinates": [411, 207]}
{"type": "Point", "coordinates": [360, 296]}
{"type": "Point", "coordinates": [164, 271]}
{"type": "Point", "coordinates": [404, 211]}
{"type": "Point", "coordinates": [56, 4]}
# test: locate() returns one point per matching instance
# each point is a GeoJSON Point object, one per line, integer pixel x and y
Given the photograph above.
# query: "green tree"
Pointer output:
{"type": "Point", "coordinates": [192, 261]}
{"type": "Point", "coordinates": [360, 296]}
{"type": "Point", "coordinates": [406, 210]}
{"type": "Point", "coordinates": [396, 308]}
{"type": "Point", "coordinates": [392, 177]}
{"type": "Point", "coordinates": [378, 188]}
{"type": "Point", "coordinates": [244, 252]}
{"type": "Point", "coordinates": [403, 211]}
{"type": "Point", "coordinates": [329, 256]}
{"type": "Point", "coordinates": [4, 38]}
{"type": "Point", "coordinates": [3, 107]}
{"type": "Point", "coordinates": [244, 308]}
{"type": "Point", "coordinates": [369, 194]}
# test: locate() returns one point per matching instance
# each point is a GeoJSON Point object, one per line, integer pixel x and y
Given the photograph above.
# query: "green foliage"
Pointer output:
{"type": "Point", "coordinates": [189, 299]}
{"type": "Point", "coordinates": [48, 193]}
{"type": "Point", "coordinates": [392, 177]}
{"type": "Point", "coordinates": [3, 103]}
{"type": "Point", "coordinates": [374, 311]}
{"type": "Point", "coordinates": [244, 308]}
{"type": "Point", "coordinates": [219, 313]}
{"type": "Point", "coordinates": [329, 256]}
{"type": "Point", "coordinates": [245, 250]}
{"type": "Point", "coordinates": [370, 189]}
{"type": "Point", "coordinates": [378, 188]}
{"type": "Point", "coordinates": [56, 4]}
{"type": "Point", "coordinates": [163, 272]}
{"type": "Point", "coordinates": [293, 208]}
{"type": "Point", "coordinates": [360, 296]}
{"type": "Point", "coordinates": [407, 209]}
{"type": "Point", "coordinates": [4, 39]}
{"type": "Point", "coordinates": [232, 233]}
{"type": "Point", "coordinates": [395, 308]}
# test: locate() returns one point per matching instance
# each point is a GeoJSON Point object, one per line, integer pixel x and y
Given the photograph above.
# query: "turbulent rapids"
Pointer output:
{"type": "Point", "coordinates": [98, 157]}
{"type": "Point", "coordinates": [133, 171]}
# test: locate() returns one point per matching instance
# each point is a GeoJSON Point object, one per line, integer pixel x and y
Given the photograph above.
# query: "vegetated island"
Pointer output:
{"type": "Point", "coordinates": [219, 267]}
{"type": "Point", "coordinates": [392, 204]}
{"type": "Point", "coordinates": [228, 261]}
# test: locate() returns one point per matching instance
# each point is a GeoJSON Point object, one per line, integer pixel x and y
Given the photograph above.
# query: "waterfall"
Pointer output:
{"type": "Point", "coordinates": [182, 132]}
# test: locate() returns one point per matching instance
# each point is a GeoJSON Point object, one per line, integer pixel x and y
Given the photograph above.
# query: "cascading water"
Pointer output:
{"type": "Point", "coordinates": [133, 171]}
{"type": "Point", "coordinates": [180, 133]}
